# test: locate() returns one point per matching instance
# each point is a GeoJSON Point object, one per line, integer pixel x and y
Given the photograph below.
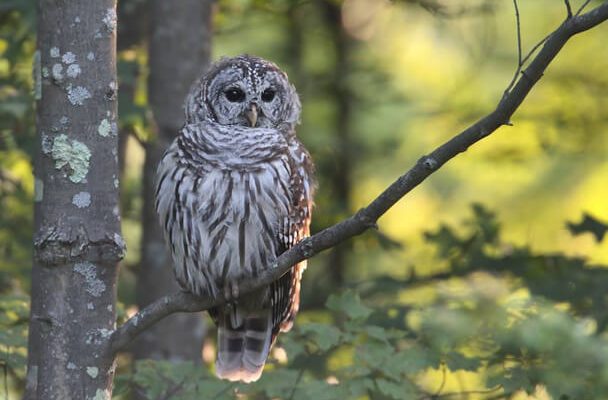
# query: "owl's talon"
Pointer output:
{"type": "Point", "coordinates": [231, 292]}
{"type": "Point", "coordinates": [226, 293]}
{"type": "Point", "coordinates": [235, 290]}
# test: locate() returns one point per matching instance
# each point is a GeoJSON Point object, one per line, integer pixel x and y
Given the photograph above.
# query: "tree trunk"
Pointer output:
{"type": "Point", "coordinates": [179, 48]}
{"type": "Point", "coordinates": [77, 242]}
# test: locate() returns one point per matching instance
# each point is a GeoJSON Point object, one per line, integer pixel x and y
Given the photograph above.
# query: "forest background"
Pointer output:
{"type": "Point", "coordinates": [488, 281]}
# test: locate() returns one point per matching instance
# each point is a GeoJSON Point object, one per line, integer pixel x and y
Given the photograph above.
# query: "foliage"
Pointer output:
{"type": "Point", "coordinates": [14, 314]}
{"type": "Point", "coordinates": [591, 225]}
{"type": "Point", "coordinates": [489, 316]}
{"type": "Point", "coordinates": [16, 143]}
{"type": "Point", "coordinates": [17, 134]}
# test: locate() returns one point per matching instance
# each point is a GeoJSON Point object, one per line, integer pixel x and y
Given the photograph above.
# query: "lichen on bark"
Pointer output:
{"type": "Point", "coordinates": [73, 154]}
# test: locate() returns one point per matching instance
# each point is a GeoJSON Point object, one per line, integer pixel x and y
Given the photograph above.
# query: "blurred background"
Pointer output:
{"type": "Point", "coordinates": [486, 282]}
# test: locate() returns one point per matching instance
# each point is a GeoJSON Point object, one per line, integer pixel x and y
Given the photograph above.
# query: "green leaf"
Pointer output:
{"type": "Point", "coordinates": [213, 388]}
{"type": "Point", "coordinates": [456, 361]}
{"type": "Point", "coordinates": [374, 354]}
{"type": "Point", "coordinates": [377, 332]}
{"type": "Point", "coordinates": [399, 391]}
{"type": "Point", "coordinates": [157, 378]}
{"type": "Point", "coordinates": [589, 224]}
{"type": "Point", "coordinates": [409, 361]}
{"type": "Point", "coordinates": [513, 380]}
{"type": "Point", "coordinates": [323, 336]}
{"type": "Point", "coordinates": [359, 387]}
{"type": "Point", "coordinates": [293, 346]}
{"type": "Point", "coordinates": [321, 390]}
{"type": "Point", "coordinates": [122, 385]}
{"type": "Point", "coordinates": [278, 383]}
{"type": "Point", "coordinates": [350, 304]}
{"type": "Point", "coordinates": [13, 337]}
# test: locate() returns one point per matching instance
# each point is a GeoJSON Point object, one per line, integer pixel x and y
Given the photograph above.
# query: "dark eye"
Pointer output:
{"type": "Point", "coordinates": [268, 95]}
{"type": "Point", "coordinates": [235, 95]}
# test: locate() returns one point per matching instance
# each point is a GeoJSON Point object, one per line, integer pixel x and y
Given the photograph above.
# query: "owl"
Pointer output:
{"type": "Point", "coordinates": [234, 191]}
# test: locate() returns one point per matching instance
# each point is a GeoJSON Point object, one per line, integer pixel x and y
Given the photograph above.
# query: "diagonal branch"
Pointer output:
{"type": "Point", "coordinates": [366, 217]}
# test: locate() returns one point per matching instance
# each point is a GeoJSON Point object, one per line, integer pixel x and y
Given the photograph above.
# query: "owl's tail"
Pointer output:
{"type": "Point", "coordinates": [243, 344]}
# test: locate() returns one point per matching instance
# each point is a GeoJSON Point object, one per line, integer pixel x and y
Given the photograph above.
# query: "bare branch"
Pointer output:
{"type": "Point", "coordinates": [176, 302]}
{"type": "Point", "coordinates": [536, 46]}
{"type": "Point", "coordinates": [444, 374]}
{"type": "Point", "coordinates": [519, 61]}
{"type": "Point", "coordinates": [568, 8]}
{"type": "Point", "coordinates": [443, 10]}
{"type": "Point", "coordinates": [367, 217]}
{"type": "Point", "coordinates": [295, 386]}
{"type": "Point", "coordinates": [580, 10]}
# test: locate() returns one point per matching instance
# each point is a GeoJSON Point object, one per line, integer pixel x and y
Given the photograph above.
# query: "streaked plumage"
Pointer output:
{"type": "Point", "coordinates": [231, 197]}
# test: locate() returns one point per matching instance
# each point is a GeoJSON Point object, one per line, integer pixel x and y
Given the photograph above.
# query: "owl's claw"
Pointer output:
{"type": "Point", "coordinates": [231, 292]}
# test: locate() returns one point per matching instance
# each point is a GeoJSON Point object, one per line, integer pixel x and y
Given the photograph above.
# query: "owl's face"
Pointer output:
{"type": "Point", "coordinates": [248, 91]}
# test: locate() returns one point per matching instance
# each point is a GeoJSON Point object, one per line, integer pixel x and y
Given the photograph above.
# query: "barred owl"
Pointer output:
{"type": "Point", "coordinates": [234, 191]}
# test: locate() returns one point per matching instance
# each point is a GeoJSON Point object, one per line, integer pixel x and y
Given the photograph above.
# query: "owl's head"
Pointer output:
{"type": "Point", "coordinates": [244, 90]}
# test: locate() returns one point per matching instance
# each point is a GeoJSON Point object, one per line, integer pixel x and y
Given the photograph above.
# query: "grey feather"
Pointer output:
{"type": "Point", "coordinates": [234, 191]}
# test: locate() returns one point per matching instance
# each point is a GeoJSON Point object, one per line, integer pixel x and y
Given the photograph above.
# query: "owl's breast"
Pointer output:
{"type": "Point", "coordinates": [222, 223]}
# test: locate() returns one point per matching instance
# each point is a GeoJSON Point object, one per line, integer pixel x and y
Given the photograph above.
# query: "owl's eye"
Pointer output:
{"type": "Point", "coordinates": [268, 95]}
{"type": "Point", "coordinates": [235, 95]}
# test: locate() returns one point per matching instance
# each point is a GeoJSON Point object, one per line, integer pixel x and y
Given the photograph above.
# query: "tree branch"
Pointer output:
{"type": "Point", "coordinates": [568, 8]}
{"type": "Point", "coordinates": [520, 63]}
{"type": "Point", "coordinates": [366, 217]}
{"type": "Point", "coordinates": [582, 7]}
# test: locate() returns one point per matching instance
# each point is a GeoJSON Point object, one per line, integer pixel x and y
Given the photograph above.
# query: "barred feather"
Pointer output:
{"type": "Point", "coordinates": [227, 216]}
{"type": "Point", "coordinates": [222, 211]}
{"type": "Point", "coordinates": [231, 198]}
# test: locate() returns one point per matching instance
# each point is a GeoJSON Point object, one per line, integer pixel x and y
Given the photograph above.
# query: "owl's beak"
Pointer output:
{"type": "Point", "coordinates": [252, 114]}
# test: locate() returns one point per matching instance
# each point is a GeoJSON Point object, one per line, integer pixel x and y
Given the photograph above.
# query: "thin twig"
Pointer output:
{"type": "Point", "coordinates": [580, 10]}
{"type": "Point", "coordinates": [444, 376]}
{"type": "Point", "coordinates": [173, 389]}
{"type": "Point", "coordinates": [295, 386]}
{"type": "Point", "coordinates": [519, 60]}
{"type": "Point", "coordinates": [466, 393]}
{"type": "Point", "coordinates": [518, 32]}
{"type": "Point", "coordinates": [568, 8]}
{"type": "Point", "coordinates": [443, 11]}
{"type": "Point", "coordinates": [366, 217]}
{"type": "Point", "coordinates": [536, 46]}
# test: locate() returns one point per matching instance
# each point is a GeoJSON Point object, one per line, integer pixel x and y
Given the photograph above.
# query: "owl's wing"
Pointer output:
{"type": "Point", "coordinates": [285, 292]}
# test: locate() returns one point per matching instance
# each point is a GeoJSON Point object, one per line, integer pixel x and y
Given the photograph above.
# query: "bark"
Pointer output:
{"type": "Point", "coordinates": [77, 243]}
{"type": "Point", "coordinates": [366, 217]}
{"type": "Point", "coordinates": [179, 48]}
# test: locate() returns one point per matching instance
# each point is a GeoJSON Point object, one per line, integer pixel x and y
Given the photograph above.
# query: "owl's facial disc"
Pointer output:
{"type": "Point", "coordinates": [246, 108]}
{"type": "Point", "coordinates": [250, 92]}
{"type": "Point", "coordinates": [249, 106]}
